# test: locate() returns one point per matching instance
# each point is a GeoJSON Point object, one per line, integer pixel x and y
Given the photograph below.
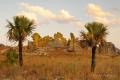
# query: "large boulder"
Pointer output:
{"type": "Point", "coordinates": [83, 44]}
{"type": "Point", "coordinates": [117, 51]}
{"type": "Point", "coordinates": [105, 48]}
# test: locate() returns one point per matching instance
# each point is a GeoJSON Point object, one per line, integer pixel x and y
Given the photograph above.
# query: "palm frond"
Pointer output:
{"type": "Point", "coordinates": [21, 26]}
{"type": "Point", "coordinates": [96, 32]}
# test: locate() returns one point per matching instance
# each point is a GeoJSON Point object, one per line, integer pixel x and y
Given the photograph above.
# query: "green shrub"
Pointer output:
{"type": "Point", "coordinates": [11, 56]}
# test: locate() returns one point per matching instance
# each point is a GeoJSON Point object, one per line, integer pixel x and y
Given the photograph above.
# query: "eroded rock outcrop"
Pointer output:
{"type": "Point", "coordinates": [105, 48]}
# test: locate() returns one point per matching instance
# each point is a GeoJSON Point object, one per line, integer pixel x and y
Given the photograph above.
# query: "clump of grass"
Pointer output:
{"type": "Point", "coordinates": [71, 68]}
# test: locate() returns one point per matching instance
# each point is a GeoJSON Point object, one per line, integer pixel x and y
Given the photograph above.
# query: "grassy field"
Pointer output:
{"type": "Point", "coordinates": [62, 66]}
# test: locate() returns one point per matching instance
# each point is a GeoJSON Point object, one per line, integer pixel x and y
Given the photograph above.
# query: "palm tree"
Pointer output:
{"type": "Point", "coordinates": [95, 35]}
{"type": "Point", "coordinates": [18, 31]}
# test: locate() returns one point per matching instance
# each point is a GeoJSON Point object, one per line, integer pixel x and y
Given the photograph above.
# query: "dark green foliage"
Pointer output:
{"type": "Point", "coordinates": [11, 56]}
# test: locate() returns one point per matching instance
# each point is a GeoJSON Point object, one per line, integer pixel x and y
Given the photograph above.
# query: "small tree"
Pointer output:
{"type": "Point", "coordinates": [36, 39]}
{"type": "Point", "coordinates": [60, 40]}
{"type": "Point", "coordinates": [11, 56]}
{"type": "Point", "coordinates": [46, 40]}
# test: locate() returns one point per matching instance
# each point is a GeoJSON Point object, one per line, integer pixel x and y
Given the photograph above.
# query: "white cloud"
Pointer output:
{"type": "Point", "coordinates": [98, 13]}
{"type": "Point", "coordinates": [29, 15]}
{"type": "Point", "coordinates": [62, 17]}
{"type": "Point", "coordinates": [38, 10]}
{"type": "Point", "coordinates": [96, 10]}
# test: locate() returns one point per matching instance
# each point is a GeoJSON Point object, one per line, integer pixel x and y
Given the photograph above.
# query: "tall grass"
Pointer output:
{"type": "Point", "coordinates": [63, 67]}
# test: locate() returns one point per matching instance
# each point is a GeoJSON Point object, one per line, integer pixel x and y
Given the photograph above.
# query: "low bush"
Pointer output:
{"type": "Point", "coordinates": [11, 56]}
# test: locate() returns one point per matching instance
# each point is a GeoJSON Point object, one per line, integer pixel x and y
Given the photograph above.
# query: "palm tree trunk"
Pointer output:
{"type": "Point", "coordinates": [20, 52]}
{"type": "Point", "coordinates": [93, 59]}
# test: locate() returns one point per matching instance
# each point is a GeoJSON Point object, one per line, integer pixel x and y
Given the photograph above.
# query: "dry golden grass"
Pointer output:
{"type": "Point", "coordinates": [63, 66]}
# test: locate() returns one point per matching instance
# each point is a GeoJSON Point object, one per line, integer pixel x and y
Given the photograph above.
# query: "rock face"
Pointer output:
{"type": "Point", "coordinates": [84, 44]}
{"type": "Point", "coordinates": [106, 48]}
{"type": "Point", "coordinates": [81, 46]}
{"type": "Point", "coordinates": [118, 51]}
{"type": "Point", "coordinates": [30, 45]}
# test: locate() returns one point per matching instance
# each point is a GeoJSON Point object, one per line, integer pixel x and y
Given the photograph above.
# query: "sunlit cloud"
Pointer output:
{"type": "Point", "coordinates": [62, 17]}
{"type": "Point", "coordinates": [98, 13]}
{"type": "Point", "coordinates": [37, 10]}
{"type": "Point", "coordinates": [29, 15]}
{"type": "Point", "coordinates": [96, 10]}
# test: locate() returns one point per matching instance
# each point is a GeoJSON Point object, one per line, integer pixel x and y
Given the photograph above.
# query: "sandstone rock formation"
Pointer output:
{"type": "Point", "coordinates": [105, 48]}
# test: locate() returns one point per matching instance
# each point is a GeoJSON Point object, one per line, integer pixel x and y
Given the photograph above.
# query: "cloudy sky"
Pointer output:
{"type": "Point", "coordinates": [63, 16]}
